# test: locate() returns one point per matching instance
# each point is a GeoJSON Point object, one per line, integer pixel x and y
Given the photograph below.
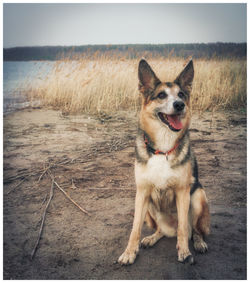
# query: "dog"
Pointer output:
{"type": "Point", "coordinates": [169, 196]}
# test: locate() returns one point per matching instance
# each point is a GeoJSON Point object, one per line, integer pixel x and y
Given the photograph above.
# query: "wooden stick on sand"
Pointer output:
{"type": "Point", "coordinates": [77, 205]}
{"type": "Point", "coordinates": [43, 219]}
{"type": "Point", "coordinates": [62, 190]}
{"type": "Point", "coordinates": [50, 198]}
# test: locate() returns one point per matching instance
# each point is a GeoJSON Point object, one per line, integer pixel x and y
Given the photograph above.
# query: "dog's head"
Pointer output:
{"type": "Point", "coordinates": [166, 101]}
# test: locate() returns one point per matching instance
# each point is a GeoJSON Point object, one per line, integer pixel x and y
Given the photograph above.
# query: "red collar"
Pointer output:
{"type": "Point", "coordinates": [158, 151]}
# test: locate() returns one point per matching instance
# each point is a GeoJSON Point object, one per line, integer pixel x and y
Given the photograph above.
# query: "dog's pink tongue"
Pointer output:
{"type": "Point", "coordinates": [175, 121]}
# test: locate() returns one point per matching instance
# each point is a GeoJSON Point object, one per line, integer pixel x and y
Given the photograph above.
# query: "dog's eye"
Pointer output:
{"type": "Point", "coordinates": [181, 95]}
{"type": "Point", "coordinates": [162, 95]}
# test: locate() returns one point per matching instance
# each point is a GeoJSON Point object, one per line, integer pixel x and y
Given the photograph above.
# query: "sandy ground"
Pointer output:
{"type": "Point", "coordinates": [92, 159]}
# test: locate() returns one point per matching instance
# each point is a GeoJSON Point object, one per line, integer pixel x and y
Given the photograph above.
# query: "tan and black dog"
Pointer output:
{"type": "Point", "coordinates": [169, 195]}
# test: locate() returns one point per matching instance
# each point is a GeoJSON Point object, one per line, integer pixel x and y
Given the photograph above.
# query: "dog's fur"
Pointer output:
{"type": "Point", "coordinates": [169, 195]}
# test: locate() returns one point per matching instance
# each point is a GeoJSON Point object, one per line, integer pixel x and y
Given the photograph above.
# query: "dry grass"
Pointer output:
{"type": "Point", "coordinates": [107, 84]}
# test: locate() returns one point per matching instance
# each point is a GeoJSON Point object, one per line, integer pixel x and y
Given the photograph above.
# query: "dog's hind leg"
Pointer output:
{"type": "Point", "coordinates": [200, 218]}
{"type": "Point", "coordinates": [150, 221]}
{"type": "Point", "coordinates": [162, 223]}
{"type": "Point", "coordinates": [149, 241]}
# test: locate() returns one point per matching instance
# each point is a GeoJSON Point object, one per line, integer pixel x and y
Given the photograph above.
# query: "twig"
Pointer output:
{"type": "Point", "coordinates": [41, 172]}
{"type": "Point", "coordinates": [43, 219]}
{"type": "Point", "coordinates": [73, 186]}
{"type": "Point", "coordinates": [11, 190]}
{"type": "Point", "coordinates": [44, 172]}
{"type": "Point", "coordinates": [51, 165]}
{"type": "Point", "coordinates": [110, 189]}
{"type": "Point", "coordinates": [62, 190]}
{"type": "Point", "coordinates": [44, 199]}
{"type": "Point", "coordinates": [16, 177]}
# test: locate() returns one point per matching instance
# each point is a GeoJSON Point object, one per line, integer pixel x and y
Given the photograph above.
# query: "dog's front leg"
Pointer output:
{"type": "Point", "coordinates": [183, 203]}
{"type": "Point", "coordinates": [141, 206]}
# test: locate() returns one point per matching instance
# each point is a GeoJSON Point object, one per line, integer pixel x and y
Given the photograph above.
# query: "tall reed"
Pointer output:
{"type": "Point", "coordinates": [108, 84]}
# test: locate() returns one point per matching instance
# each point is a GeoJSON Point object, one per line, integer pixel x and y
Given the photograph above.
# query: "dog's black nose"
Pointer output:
{"type": "Point", "coordinates": [179, 105]}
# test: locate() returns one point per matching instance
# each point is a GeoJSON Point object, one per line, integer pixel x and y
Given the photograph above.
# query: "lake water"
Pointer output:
{"type": "Point", "coordinates": [17, 76]}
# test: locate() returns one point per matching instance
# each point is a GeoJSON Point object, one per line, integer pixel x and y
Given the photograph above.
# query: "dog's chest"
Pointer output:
{"type": "Point", "coordinates": [159, 173]}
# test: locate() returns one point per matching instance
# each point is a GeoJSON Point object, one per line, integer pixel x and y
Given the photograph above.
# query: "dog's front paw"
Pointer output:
{"type": "Point", "coordinates": [185, 256]}
{"type": "Point", "coordinates": [128, 257]}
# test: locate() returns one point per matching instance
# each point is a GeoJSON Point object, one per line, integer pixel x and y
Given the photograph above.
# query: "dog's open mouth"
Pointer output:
{"type": "Point", "coordinates": [173, 121]}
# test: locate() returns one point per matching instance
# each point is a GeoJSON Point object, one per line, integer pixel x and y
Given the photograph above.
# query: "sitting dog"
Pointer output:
{"type": "Point", "coordinates": [169, 195]}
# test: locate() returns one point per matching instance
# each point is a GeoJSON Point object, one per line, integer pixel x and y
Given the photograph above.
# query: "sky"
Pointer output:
{"type": "Point", "coordinates": [82, 24]}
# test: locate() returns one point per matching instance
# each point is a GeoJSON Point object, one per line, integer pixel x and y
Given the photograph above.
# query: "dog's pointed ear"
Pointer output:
{"type": "Point", "coordinates": [148, 79]}
{"type": "Point", "coordinates": [185, 78]}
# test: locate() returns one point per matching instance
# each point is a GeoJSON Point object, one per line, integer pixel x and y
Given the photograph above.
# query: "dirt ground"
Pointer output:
{"type": "Point", "coordinates": [92, 158]}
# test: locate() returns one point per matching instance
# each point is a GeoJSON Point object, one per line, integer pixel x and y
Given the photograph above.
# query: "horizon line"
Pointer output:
{"type": "Point", "coordinates": [120, 44]}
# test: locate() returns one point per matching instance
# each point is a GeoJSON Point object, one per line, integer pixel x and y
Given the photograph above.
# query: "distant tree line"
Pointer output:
{"type": "Point", "coordinates": [130, 51]}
